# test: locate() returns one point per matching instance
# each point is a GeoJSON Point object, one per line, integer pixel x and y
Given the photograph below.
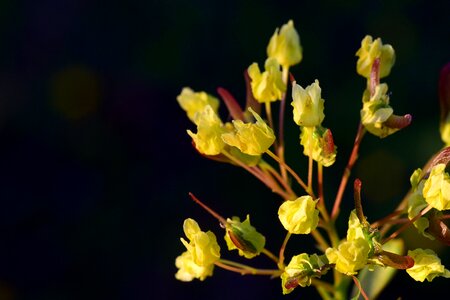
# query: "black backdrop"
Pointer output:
{"type": "Point", "coordinates": [95, 163]}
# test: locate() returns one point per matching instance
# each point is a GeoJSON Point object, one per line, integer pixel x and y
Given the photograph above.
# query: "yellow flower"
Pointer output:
{"type": "Point", "coordinates": [300, 271]}
{"type": "Point", "coordinates": [369, 51]}
{"type": "Point", "coordinates": [193, 103]}
{"type": "Point", "coordinates": [244, 237]}
{"type": "Point", "coordinates": [376, 111]}
{"type": "Point", "coordinates": [285, 45]}
{"type": "Point", "coordinates": [250, 138]}
{"type": "Point", "coordinates": [436, 190]}
{"type": "Point", "coordinates": [188, 269]}
{"type": "Point", "coordinates": [416, 203]}
{"type": "Point", "coordinates": [202, 252]}
{"type": "Point", "coordinates": [299, 216]}
{"type": "Point", "coordinates": [318, 143]}
{"type": "Point", "coordinates": [202, 246]}
{"type": "Point", "coordinates": [350, 256]}
{"type": "Point", "coordinates": [208, 139]}
{"type": "Point", "coordinates": [355, 228]}
{"type": "Point", "coordinates": [267, 86]}
{"type": "Point", "coordinates": [308, 104]}
{"type": "Point", "coordinates": [427, 265]}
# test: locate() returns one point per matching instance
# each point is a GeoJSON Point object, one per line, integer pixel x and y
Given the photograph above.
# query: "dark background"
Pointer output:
{"type": "Point", "coordinates": [95, 163]}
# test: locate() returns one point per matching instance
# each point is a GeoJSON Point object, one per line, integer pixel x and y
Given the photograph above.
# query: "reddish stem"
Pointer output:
{"type": "Point", "coordinates": [347, 171]}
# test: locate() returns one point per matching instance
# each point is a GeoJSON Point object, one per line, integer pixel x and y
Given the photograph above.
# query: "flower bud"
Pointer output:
{"type": "Point", "coordinates": [193, 103]}
{"type": "Point", "coordinates": [267, 86]}
{"type": "Point", "coordinates": [427, 265]}
{"type": "Point", "coordinates": [250, 138]}
{"type": "Point", "coordinates": [244, 237]}
{"type": "Point", "coordinates": [284, 45]}
{"type": "Point", "coordinates": [308, 104]}
{"type": "Point", "coordinates": [369, 51]}
{"type": "Point", "coordinates": [299, 216]}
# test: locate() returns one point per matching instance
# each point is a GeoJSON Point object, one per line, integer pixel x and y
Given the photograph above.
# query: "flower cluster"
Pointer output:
{"type": "Point", "coordinates": [249, 139]}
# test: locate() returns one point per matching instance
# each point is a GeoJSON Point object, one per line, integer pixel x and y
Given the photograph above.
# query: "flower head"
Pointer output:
{"type": "Point", "coordinates": [202, 252]}
{"type": "Point", "coordinates": [267, 86]}
{"type": "Point", "coordinates": [299, 216]}
{"type": "Point", "coordinates": [208, 139]}
{"type": "Point", "coordinates": [202, 246]}
{"type": "Point", "coordinates": [318, 144]}
{"type": "Point", "coordinates": [250, 138]}
{"type": "Point", "coordinates": [436, 190]}
{"type": "Point", "coordinates": [195, 102]}
{"type": "Point", "coordinates": [300, 271]}
{"type": "Point", "coordinates": [351, 254]}
{"type": "Point", "coordinates": [369, 51]}
{"type": "Point", "coordinates": [427, 265]}
{"type": "Point", "coordinates": [376, 111]}
{"type": "Point", "coordinates": [284, 45]}
{"type": "Point", "coordinates": [188, 269]}
{"type": "Point", "coordinates": [244, 237]}
{"type": "Point", "coordinates": [308, 104]}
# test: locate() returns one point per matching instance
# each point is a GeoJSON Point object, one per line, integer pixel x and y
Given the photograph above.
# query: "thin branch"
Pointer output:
{"type": "Point", "coordinates": [244, 269]}
{"type": "Point", "coordinates": [283, 247]}
{"type": "Point", "coordinates": [270, 255]}
{"type": "Point", "coordinates": [363, 293]}
{"type": "Point", "coordinates": [405, 226]}
{"type": "Point", "coordinates": [258, 174]}
{"type": "Point", "coordinates": [221, 219]}
{"type": "Point", "coordinates": [296, 177]}
{"type": "Point", "coordinates": [347, 171]}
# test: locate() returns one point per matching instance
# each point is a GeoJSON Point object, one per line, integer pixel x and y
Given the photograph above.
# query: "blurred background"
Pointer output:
{"type": "Point", "coordinates": [96, 165]}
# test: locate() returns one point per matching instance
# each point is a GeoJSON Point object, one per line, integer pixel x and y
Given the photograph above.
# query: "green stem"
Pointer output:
{"type": "Point", "coordinates": [283, 247]}
{"type": "Point", "coordinates": [244, 269]}
{"type": "Point", "coordinates": [265, 166]}
{"type": "Point", "coordinates": [322, 284]}
{"type": "Point", "coordinates": [323, 245]}
{"type": "Point", "coordinates": [270, 255]}
{"type": "Point", "coordinates": [269, 116]}
{"type": "Point", "coordinates": [323, 293]}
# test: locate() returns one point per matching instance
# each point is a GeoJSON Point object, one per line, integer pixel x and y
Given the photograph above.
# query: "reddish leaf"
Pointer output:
{"type": "Point", "coordinates": [231, 103]}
